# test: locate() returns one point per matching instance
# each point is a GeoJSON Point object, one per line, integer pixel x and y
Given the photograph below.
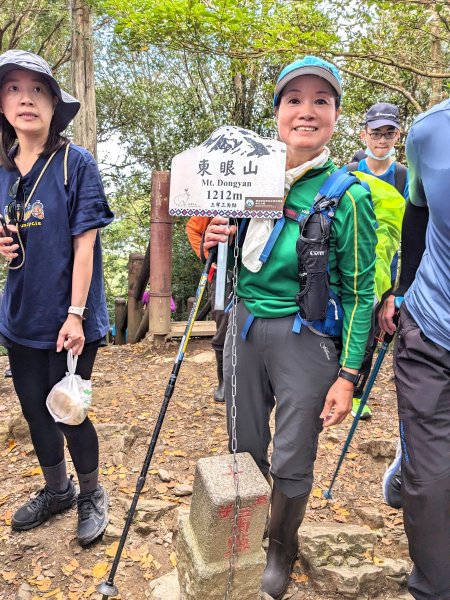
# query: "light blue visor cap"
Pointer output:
{"type": "Point", "coordinates": [309, 65]}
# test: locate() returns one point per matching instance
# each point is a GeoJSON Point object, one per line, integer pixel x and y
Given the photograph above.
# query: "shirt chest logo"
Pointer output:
{"type": "Point", "coordinates": [36, 210]}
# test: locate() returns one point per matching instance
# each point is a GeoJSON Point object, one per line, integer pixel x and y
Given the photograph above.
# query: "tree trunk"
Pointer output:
{"type": "Point", "coordinates": [120, 319]}
{"type": "Point", "coordinates": [134, 306]}
{"type": "Point", "coordinates": [82, 70]}
{"type": "Point", "coordinates": [436, 61]}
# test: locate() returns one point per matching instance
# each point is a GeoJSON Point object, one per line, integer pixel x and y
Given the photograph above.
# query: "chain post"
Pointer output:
{"type": "Point", "coordinates": [237, 499]}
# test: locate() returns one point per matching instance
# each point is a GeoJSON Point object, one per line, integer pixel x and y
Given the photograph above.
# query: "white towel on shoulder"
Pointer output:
{"type": "Point", "coordinates": [259, 230]}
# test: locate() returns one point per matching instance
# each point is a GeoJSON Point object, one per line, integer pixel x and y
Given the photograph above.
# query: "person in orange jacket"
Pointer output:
{"type": "Point", "coordinates": [195, 229]}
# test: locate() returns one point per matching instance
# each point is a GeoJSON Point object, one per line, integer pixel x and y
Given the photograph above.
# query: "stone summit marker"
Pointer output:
{"type": "Point", "coordinates": [205, 540]}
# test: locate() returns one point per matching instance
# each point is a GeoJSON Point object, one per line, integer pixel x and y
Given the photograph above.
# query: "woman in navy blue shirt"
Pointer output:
{"type": "Point", "coordinates": [52, 204]}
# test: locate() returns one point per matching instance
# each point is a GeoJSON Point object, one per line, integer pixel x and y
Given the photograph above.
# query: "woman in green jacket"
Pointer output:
{"type": "Point", "coordinates": [285, 363]}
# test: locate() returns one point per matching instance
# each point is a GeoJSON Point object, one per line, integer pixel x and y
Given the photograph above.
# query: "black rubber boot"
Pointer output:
{"type": "Point", "coordinates": [269, 480]}
{"type": "Point", "coordinates": [92, 515]}
{"type": "Point", "coordinates": [219, 392]}
{"type": "Point", "coordinates": [285, 518]}
{"type": "Point", "coordinates": [41, 508]}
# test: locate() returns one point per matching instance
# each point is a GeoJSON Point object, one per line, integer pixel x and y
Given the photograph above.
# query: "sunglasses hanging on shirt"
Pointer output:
{"type": "Point", "coordinates": [15, 210]}
{"type": "Point", "coordinates": [15, 213]}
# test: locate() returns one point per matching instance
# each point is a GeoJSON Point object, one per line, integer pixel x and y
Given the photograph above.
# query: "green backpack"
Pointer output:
{"type": "Point", "coordinates": [389, 206]}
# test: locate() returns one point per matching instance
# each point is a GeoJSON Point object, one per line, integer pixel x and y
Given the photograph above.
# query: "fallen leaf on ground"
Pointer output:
{"type": "Point", "coordinates": [99, 570]}
{"type": "Point", "coordinates": [70, 567]}
{"type": "Point", "coordinates": [179, 453]}
{"type": "Point", "coordinates": [317, 493]}
{"type": "Point", "coordinates": [32, 472]}
{"type": "Point", "coordinates": [299, 578]}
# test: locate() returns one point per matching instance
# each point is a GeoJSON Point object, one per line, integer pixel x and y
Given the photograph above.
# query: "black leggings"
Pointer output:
{"type": "Point", "coordinates": [34, 373]}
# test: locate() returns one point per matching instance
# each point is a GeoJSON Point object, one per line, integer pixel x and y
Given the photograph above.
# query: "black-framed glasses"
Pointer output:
{"type": "Point", "coordinates": [377, 135]}
{"type": "Point", "coordinates": [15, 209]}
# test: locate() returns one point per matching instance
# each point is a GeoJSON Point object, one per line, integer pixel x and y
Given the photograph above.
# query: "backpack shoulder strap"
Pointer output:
{"type": "Point", "coordinates": [332, 190]}
{"type": "Point", "coordinates": [66, 161]}
{"type": "Point", "coordinates": [326, 202]}
{"type": "Point", "coordinates": [400, 177]}
{"type": "Point", "coordinates": [242, 230]}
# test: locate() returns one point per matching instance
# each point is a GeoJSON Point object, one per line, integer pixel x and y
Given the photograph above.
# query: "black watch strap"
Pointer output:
{"type": "Point", "coordinates": [352, 377]}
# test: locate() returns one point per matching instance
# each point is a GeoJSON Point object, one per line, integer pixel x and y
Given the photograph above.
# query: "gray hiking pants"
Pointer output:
{"type": "Point", "coordinates": [422, 375]}
{"type": "Point", "coordinates": [291, 372]}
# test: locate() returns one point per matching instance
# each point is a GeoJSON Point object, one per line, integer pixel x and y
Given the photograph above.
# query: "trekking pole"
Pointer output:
{"type": "Point", "coordinates": [368, 388]}
{"type": "Point", "coordinates": [107, 588]}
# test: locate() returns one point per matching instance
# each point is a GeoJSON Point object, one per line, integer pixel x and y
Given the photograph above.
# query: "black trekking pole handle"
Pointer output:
{"type": "Point", "coordinates": [388, 337]}
{"type": "Point", "coordinates": [107, 588]}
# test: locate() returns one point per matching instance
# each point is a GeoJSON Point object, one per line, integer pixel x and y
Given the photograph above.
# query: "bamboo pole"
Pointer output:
{"type": "Point", "coordinates": [160, 255]}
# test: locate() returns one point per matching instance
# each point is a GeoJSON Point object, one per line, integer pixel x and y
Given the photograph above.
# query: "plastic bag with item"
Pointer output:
{"type": "Point", "coordinates": [69, 400]}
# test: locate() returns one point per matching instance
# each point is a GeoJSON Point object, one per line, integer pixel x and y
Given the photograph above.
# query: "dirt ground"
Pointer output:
{"type": "Point", "coordinates": [129, 383]}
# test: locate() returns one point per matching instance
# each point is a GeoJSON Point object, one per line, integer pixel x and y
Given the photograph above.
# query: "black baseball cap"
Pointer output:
{"type": "Point", "coordinates": [382, 114]}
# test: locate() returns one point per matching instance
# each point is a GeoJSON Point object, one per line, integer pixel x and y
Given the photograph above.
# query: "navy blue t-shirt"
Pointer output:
{"type": "Point", "coordinates": [37, 295]}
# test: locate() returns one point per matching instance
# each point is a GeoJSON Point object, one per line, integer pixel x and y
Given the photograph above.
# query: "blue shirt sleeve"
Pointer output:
{"type": "Point", "coordinates": [88, 207]}
{"type": "Point", "coordinates": [416, 193]}
{"type": "Point", "coordinates": [406, 190]}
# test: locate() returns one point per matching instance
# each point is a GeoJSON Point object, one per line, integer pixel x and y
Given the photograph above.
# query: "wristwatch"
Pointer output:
{"type": "Point", "coordinates": [352, 377]}
{"type": "Point", "coordinates": [81, 311]}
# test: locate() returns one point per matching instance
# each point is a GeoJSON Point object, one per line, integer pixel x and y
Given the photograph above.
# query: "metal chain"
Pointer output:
{"type": "Point", "coordinates": [237, 499]}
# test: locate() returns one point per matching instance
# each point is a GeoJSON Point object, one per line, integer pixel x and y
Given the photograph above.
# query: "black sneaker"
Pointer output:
{"type": "Point", "coordinates": [92, 515]}
{"type": "Point", "coordinates": [41, 508]}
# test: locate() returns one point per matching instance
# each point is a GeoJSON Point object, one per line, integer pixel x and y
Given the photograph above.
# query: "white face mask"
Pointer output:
{"type": "Point", "coordinates": [369, 152]}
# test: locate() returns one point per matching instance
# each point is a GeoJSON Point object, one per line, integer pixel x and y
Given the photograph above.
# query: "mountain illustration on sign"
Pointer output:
{"type": "Point", "coordinates": [234, 140]}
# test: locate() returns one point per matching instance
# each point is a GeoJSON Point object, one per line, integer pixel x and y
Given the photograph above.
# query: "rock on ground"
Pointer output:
{"type": "Point", "coordinates": [165, 587]}
{"type": "Point", "coordinates": [379, 447]}
{"type": "Point", "coordinates": [340, 559]}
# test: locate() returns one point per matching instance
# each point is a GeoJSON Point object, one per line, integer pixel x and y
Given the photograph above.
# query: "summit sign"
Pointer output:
{"type": "Point", "coordinates": [234, 173]}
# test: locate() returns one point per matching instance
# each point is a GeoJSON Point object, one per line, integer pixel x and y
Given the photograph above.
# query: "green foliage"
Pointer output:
{"type": "Point", "coordinates": [397, 48]}
{"type": "Point", "coordinates": [127, 234]}
{"type": "Point", "coordinates": [235, 28]}
{"type": "Point", "coordinates": [39, 26]}
{"type": "Point", "coordinates": [399, 45]}
{"type": "Point", "coordinates": [3, 274]}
